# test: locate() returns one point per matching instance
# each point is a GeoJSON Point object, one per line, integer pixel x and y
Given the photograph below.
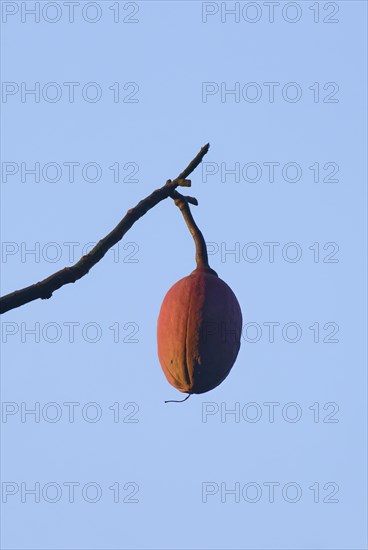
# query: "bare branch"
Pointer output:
{"type": "Point", "coordinates": [191, 200]}
{"type": "Point", "coordinates": [45, 288]}
{"type": "Point", "coordinates": [200, 244]}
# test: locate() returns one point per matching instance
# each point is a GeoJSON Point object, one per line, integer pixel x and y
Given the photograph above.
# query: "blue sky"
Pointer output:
{"type": "Point", "coordinates": [282, 196]}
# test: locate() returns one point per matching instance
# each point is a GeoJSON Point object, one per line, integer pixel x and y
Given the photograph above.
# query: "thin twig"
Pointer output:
{"type": "Point", "coordinates": [200, 244]}
{"type": "Point", "coordinates": [45, 288]}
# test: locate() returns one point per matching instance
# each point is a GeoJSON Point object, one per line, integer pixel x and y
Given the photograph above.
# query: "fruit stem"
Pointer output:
{"type": "Point", "coordinates": [200, 244]}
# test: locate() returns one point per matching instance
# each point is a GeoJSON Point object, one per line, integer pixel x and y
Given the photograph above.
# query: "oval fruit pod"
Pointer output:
{"type": "Point", "coordinates": [198, 332]}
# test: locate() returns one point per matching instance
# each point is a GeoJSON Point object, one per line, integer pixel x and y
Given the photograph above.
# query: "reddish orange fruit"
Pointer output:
{"type": "Point", "coordinates": [198, 332]}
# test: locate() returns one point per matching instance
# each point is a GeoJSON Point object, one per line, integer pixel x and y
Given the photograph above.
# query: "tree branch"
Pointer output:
{"type": "Point", "coordinates": [200, 244]}
{"type": "Point", "coordinates": [45, 288]}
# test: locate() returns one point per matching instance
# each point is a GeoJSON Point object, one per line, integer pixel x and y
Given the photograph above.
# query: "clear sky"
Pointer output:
{"type": "Point", "coordinates": [124, 95]}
